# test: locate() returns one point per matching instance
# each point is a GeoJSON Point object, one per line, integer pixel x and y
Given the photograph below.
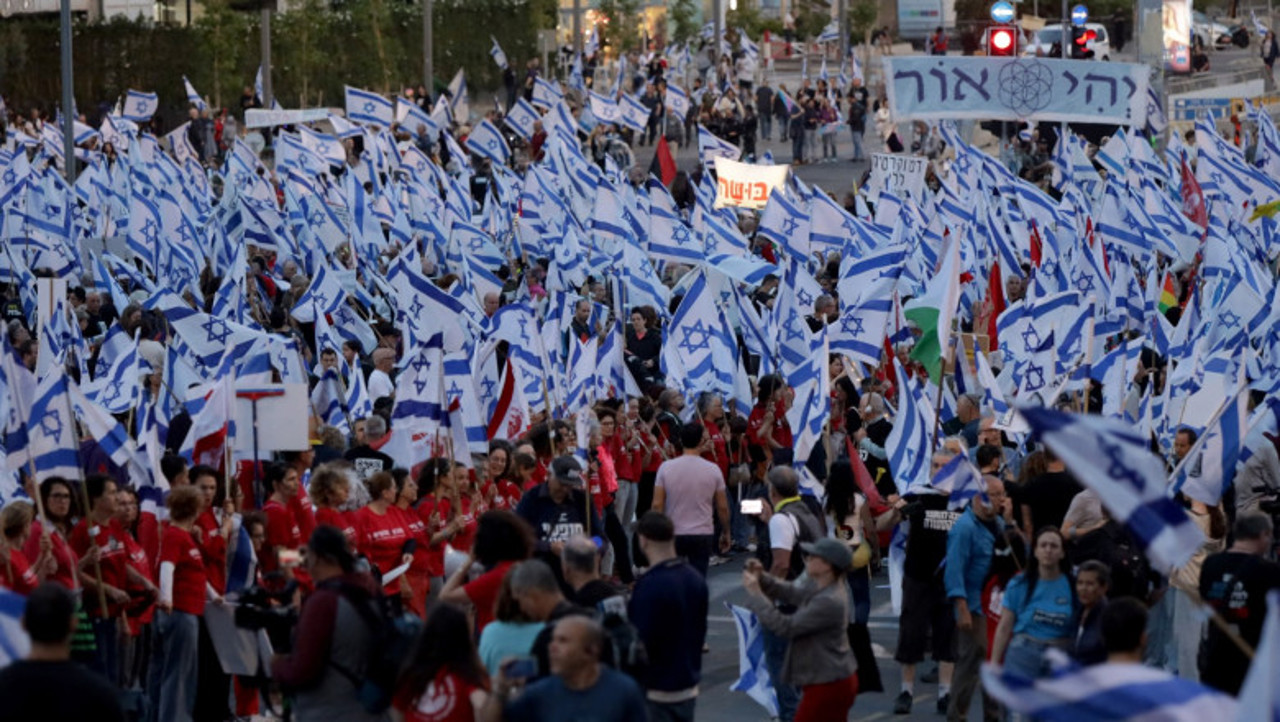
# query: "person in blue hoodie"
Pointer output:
{"type": "Point", "coordinates": [970, 546]}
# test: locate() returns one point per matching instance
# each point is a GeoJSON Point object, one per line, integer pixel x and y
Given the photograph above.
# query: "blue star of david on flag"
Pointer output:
{"type": "Point", "coordinates": [51, 424]}
{"type": "Point", "coordinates": [852, 325]}
{"type": "Point", "coordinates": [1035, 378]}
{"type": "Point", "coordinates": [696, 331]}
{"type": "Point", "coordinates": [217, 329]}
{"type": "Point", "coordinates": [488, 386]}
{"type": "Point", "coordinates": [1030, 338]}
{"type": "Point", "coordinates": [1230, 319]}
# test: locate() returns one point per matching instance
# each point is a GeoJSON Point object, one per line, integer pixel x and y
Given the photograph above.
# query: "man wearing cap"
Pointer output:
{"type": "Point", "coordinates": [558, 511]}
{"type": "Point", "coordinates": [970, 546]}
{"type": "Point", "coordinates": [818, 657]}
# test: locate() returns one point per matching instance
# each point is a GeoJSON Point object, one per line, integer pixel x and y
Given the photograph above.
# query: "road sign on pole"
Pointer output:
{"type": "Point", "coordinates": [1002, 11]}
{"type": "Point", "coordinates": [1079, 15]}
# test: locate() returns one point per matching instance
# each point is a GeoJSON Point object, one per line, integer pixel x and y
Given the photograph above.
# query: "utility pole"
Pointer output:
{"type": "Point", "coordinates": [843, 9]}
{"type": "Point", "coordinates": [577, 26]}
{"type": "Point", "coordinates": [719, 30]}
{"type": "Point", "coordinates": [428, 46]}
{"type": "Point", "coordinates": [68, 96]}
{"type": "Point", "coordinates": [265, 41]}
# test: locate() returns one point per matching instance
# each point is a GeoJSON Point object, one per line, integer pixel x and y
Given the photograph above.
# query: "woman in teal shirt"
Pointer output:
{"type": "Point", "coordinates": [1039, 608]}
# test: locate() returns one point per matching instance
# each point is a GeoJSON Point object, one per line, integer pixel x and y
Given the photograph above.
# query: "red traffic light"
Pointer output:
{"type": "Point", "coordinates": [1001, 42]}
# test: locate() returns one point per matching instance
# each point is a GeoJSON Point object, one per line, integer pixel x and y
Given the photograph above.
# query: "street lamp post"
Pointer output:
{"type": "Point", "coordinates": [428, 46]}
{"type": "Point", "coordinates": [265, 41]}
{"type": "Point", "coordinates": [68, 96]}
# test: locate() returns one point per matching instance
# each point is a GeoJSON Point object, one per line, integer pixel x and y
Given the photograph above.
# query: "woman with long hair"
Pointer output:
{"type": "Point", "coordinates": [136, 652]}
{"type": "Point", "coordinates": [851, 523]}
{"type": "Point", "coordinates": [442, 524]}
{"type": "Point", "coordinates": [419, 574]}
{"type": "Point", "coordinates": [767, 427]}
{"type": "Point", "coordinates": [16, 571]}
{"type": "Point", "coordinates": [502, 539]}
{"type": "Point", "coordinates": [818, 658]}
{"type": "Point", "coordinates": [443, 680]}
{"type": "Point", "coordinates": [500, 490]}
{"type": "Point", "coordinates": [1038, 608]}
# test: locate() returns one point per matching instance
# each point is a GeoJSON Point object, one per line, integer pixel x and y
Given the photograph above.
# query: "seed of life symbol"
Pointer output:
{"type": "Point", "coordinates": [1025, 87]}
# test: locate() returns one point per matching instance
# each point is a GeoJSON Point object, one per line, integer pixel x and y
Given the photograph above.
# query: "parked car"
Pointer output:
{"type": "Point", "coordinates": [1045, 42]}
{"type": "Point", "coordinates": [1211, 32]}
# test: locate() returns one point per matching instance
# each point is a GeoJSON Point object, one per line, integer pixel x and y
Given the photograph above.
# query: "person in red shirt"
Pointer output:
{"type": "Point", "coordinates": [212, 536]}
{"type": "Point", "coordinates": [329, 490]}
{"type": "Point", "coordinates": [444, 680]}
{"type": "Point", "coordinates": [183, 591]}
{"type": "Point", "coordinates": [419, 575]}
{"type": "Point", "coordinates": [767, 427]}
{"type": "Point", "coordinates": [15, 573]}
{"type": "Point", "coordinates": [502, 539]}
{"type": "Point", "coordinates": [467, 504]}
{"type": "Point", "coordinates": [500, 491]}
{"type": "Point", "coordinates": [646, 427]}
{"type": "Point", "coordinates": [55, 493]}
{"type": "Point", "coordinates": [141, 611]}
{"type": "Point", "coordinates": [436, 512]}
{"type": "Point", "coordinates": [101, 529]}
{"type": "Point", "coordinates": [382, 535]}
{"type": "Point", "coordinates": [711, 413]}
{"type": "Point", "coordinates": [283, 533]}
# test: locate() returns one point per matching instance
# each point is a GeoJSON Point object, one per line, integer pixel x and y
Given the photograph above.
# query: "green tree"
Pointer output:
{"type": "Point", "coordinates": [622, 28]}
{"type": "Point", "coordinates": [682, 18]}
{"type": "Point", "coordinates": [222, 32]}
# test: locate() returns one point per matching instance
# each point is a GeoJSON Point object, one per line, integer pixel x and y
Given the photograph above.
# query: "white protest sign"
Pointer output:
{"type": "Point", "coordinates": [263, 118]}
{"type": "Point", "coordinates": [901, 175]}
{"type": "Point", "coordinates": [746, 185]}
{"type": "Point", "coordinates": [278, 413]}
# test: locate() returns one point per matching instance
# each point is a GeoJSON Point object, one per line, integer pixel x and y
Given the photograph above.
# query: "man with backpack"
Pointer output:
{"type": "Point", "coordinates": [669, 609]}
{"type": "Point", "coordinates": [790, 523]}
{"type": "Point", "coordinates": [336, 646]}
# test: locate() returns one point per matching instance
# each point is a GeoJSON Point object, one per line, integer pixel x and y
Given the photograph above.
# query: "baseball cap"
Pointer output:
{"type": "Point", "coordinates": [834, 552]}
{"type": "Point", "coordinates": [565, 469]}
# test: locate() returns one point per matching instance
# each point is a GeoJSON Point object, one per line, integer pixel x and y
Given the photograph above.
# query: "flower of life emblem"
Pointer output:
{"type": "Point", "coordinates": [1025, 87]}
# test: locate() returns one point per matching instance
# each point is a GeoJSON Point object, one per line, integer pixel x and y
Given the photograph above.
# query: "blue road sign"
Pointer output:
{"type": "Point", "coordinates": [1002, 11]}
{"type": "Point", "coordinates": [1079, 15]}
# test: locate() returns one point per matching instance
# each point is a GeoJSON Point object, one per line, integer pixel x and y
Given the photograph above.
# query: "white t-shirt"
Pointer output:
{"type": "Point", "coordinates": [783, 530]}
{"type": "Point", "coordinates": [380, 384]}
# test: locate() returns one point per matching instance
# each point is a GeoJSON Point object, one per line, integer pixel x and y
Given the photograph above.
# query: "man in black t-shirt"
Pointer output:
{"type": "Point", "coordinates": [926, 611]}
{"type": "Point", "coordinates": [36, 688]}
{"type": "Point", "coordinates": [1045, 499]}
{"type": "Point", "coordinates": [1235, 584]}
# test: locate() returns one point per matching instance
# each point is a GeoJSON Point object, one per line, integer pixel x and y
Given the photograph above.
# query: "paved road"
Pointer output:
{"type": "Point", "coordinates": [720, 666]}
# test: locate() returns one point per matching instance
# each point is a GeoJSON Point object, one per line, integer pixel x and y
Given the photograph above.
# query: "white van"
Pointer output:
{"type": "Point", "coordinates": [1042, 44]}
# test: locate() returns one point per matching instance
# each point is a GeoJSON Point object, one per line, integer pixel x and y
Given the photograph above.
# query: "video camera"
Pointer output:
{"type": "Point", "coordinates": [255, 610]}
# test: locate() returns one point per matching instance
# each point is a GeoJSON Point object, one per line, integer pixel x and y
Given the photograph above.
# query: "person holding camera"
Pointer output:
{"type": "Point", "coordinates": [333, 644]}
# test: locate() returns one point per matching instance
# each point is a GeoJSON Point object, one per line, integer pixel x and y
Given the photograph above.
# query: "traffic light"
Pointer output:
{"type": "Point", "coordinates": [1002, 41]}
{"type": "Point", "coordinates": [1080, 39]}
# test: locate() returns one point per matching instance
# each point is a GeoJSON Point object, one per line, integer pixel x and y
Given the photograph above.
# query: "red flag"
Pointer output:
{"type": "Point", "coordinates": [664, 164]}
{"type": "Point", "coordinates": [1036, 247]}
{"type": "Point", "coordinates": [1193, 198]}
{"type": "Point", "coordinates": [862, 477]}
{"type": "Point", "coordinates": [995, 302]}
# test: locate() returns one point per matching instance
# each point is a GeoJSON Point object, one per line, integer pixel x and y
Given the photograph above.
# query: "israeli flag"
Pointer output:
{"type": "Point", "coordinates": [415, 119]}
{"type": "Point", "coordinates": [192, 96]}
{"type": "Point", "coordinates": [324, 295]}
{"type": "Point", "coordinates": [486, 140]}
{"type": "Point", "coordinates": [634, 115]}
{"type": "Point", "coordinates": [521, 118]}
{"type": "Point", "coordinates": [908, 443]}
{"type": "Point", "coordinates": [499, 57]}
{"type": "Point", "coordinates": [960, 480]}
{"type": "Point", "coordinates": [369, 108]}
{"type": "Point", "coordinates": [140, 106]}
{"type": "Point", "coordinates": [1209, 467]}
{"type": "Point", "coordinates": [753, 675]}
{"type": "Point", "coordinates": [678, 102]}
{"type": "Point", "coordinates": [545, 94]}
{"type": "Point", "coordinates": [1260, 697]}
{"type": "Point", "coordinates": [15, 645]}
{"type": "Point", "coordinates": [605, 109]}
{"type": "Point", "coordinates": [243, 565]}
{"type": "Point", "coordinates": [1113, 459]}
{"type": "Point", "coordinates": [1106, 692]}
{"type": "Point", "coordinates": [710, 147]}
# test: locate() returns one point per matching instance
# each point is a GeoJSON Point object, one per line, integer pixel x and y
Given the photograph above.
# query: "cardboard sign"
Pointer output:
{"type": "Point", "coordinates": [745, 185]}
{"type": "Point", "coordinates": [901, 175]}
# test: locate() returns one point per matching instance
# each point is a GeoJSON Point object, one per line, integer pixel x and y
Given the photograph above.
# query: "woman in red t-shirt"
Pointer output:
{"type": "Point", "coordinates": [329, 490]}
{"type": "Point", "coordinates": [15, 572]}
{"type": "Point", "coordinates": [142, 591]}
{"type": "Point", "coordinates": [501, 492]}
{"type": "Point", "coordinates": [657, 452]}
{"type": "Point", "coordinates": [419, 575]}
{"type": "Point", "coordinates": [767, 427]}
{"type": "Point", "coordinates": [465, 498]}
{"type": "Point", "coordinates": [56, 495]}
{"type": "Point", "coordinates": [711, 413]}
{"type": "Point", "coordinates": [444, 681]}
{"type": "Point", "coordinates": [436, 511]}
{"type": "Point", "coordinates": [183, 591]}
{"type": "Point", "coordinates": [382, 535]}
{"type": "Point", "coordinates": [283, 532]}
{"type": "Point", "coordinates": [502, 539]}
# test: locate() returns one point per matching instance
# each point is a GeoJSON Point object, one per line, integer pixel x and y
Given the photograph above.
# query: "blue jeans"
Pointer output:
{"type": "Point", "coordinates": [106, 640]}
{"type": "Point", "coordinates": [858, 153]}
{"type": "Point", "coordinates": [173, 666]}
{"type": "Point", "coordinates": [775, 650]}
{"type": "Point", "coordinates": [860, 594]}
{"type": "Point", "coordinates": [766, 126]}
{"type": "Point", "coordinates": [797, 147]}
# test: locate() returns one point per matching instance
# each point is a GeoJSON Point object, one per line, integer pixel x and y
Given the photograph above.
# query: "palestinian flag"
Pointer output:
{"type": "Point", "coordinates": [1168, 299]}
{"type": "Point", "coordinates": [934, 311]}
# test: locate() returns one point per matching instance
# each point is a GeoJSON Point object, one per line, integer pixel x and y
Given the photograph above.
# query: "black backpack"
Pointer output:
{"type": "Point", "coordinates": [626, 651]}
{"type": "Point", "coordinates": [394, 634]}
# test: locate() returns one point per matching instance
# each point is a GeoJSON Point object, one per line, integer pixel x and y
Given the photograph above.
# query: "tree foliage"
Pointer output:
{"type": "Point", "coordinates": [620, 30]}
{"type": "Point", "coordinates": [683, 17]}
{"type": "Point", "coordinates": [316, 49]}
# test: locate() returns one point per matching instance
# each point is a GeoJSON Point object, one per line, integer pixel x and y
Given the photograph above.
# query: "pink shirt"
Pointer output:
{"type": "Point", "coordinates": [690, 484]}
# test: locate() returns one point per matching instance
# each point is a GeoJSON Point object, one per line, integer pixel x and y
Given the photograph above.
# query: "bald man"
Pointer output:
{"type": "Point", "coordinates": [580, 687]}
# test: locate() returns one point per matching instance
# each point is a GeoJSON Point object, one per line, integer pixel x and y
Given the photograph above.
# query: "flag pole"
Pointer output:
{"type": "Point", "coordinates": [84, 495]}
{"type": "Point", "coordinates": [937, 407]}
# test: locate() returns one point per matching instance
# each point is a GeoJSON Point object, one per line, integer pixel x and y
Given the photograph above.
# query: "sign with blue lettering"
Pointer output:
{"type": "Point", "coordinates": [1002, 11]}
{"type": "Point", "coordinates": [1192, 109]}
{"type": "Point", "coordinates": [1068, 91]}
{"type": "Point", "coordinates": [1079, 15]}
